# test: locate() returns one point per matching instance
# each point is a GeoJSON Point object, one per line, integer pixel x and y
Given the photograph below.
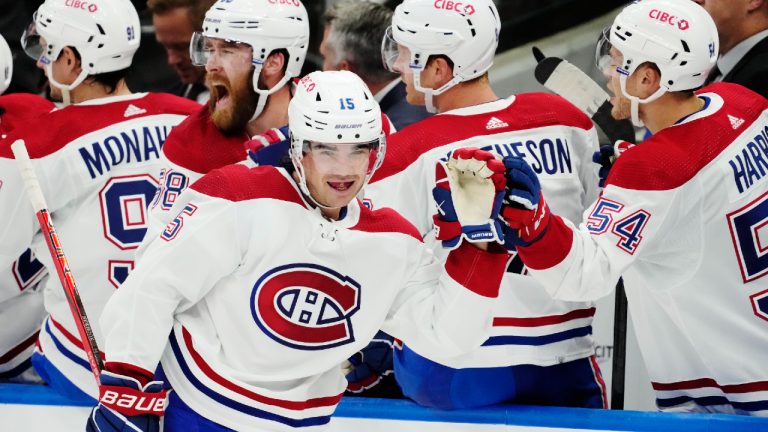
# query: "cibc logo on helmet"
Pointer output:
{"type": "Point", "coordinates": [296, 3]}
{"type": "Point", "coordinates": [77, 4]}
{"type": "Point", "coordinates": [457, 6]}
{"type": "Point", "coordinates": [668, 18]}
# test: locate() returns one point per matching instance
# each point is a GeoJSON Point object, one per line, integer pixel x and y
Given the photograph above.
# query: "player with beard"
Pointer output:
{"type": "Point", "coordinates": [248, 71]}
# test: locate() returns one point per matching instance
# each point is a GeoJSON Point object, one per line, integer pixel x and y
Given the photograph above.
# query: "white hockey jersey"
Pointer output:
{"type": "Point", "coordinates": [21, 302]}
{"type": "Point", "coordinates": [95, 162]}
{"type": "Point", "coordinates": [264, 298]}
{"type": "Point", "coordinates": [683, 219]}
{"type": "Point", "coordinates": [557, 140]}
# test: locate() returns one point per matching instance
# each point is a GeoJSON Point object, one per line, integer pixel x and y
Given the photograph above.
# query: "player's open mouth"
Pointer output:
{"type": "Point", "coordinates": [222, 94]}
{"type": "Point", "coordinates": [341, 186]}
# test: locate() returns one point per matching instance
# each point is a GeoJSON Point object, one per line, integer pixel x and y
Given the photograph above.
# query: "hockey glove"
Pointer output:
{"type": "Point", "coordinates": [525, 213]}
{"type": "Point", "coordinates": [124, 405]}
{"type": "Point", "coordinates": [367, 367]}
{"type": "Point", "coordinates": [606, 156]}
{"type": "Point", "coordinates": [468, 192]}
{"type": "Point", "coordinates": [270, 147]}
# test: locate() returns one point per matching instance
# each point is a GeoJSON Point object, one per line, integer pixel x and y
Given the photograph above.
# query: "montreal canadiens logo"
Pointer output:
{"type": "Point", "coordinates": [306, 306]}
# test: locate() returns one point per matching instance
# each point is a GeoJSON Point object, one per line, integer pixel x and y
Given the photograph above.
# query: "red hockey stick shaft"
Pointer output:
{"type": "Point", "coordinates": [37, 200]}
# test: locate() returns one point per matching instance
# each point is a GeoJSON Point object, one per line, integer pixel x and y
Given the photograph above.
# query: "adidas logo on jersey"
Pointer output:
{"type": "Point", "coordinates": [495, 123]}
{"type": "Point", "coordinates": [133, 110]}
{"type": "Point", "coordinates": [735, 121]}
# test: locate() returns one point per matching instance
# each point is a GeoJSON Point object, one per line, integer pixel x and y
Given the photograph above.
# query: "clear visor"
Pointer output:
{"type": "Point", "coordinates": [354, 157]}
{"type": "Point", "coordinates": [202, 48]}
{"type": "Point", "coordinates": [608, 59]}
{"type": "Point", "coordinates": [31, 40]}
{"type": "Point", "coordinates": [389, 50]}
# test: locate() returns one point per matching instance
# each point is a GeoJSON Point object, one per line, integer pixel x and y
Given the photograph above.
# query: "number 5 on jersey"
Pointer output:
{"type": "Point", "coordinates": [173, 228]}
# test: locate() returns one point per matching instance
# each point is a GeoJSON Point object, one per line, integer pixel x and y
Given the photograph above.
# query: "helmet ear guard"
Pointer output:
{"type": "Point", "coordinates": [334, 107]}
{"type": "Point", "coordinates": [266, 27]}
{"type": "Point", "coordinates": [678, 36]}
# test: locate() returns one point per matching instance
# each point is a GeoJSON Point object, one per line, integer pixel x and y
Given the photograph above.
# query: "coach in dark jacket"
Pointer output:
{"type": "Point", "coordinates": [743, 29]}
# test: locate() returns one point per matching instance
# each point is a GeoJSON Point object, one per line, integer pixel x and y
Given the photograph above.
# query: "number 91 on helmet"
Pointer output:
{"type": "Point", "coordinates": [336, 135]}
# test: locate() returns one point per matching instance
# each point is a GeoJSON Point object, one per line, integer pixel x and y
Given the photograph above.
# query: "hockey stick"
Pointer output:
{"type": "Point", "coordinates": [568, 81]}
{"type": "Point", "coordinates": [578, 88]}
{"type": "Point", "coordinates": [37, 200]}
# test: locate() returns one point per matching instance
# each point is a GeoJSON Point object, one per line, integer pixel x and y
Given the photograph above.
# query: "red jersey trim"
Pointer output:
{"type": "Point", "coordinates": [477, 270]}
{"type": "Point", "coordinates": [385, 220]}
{"type": "Point", "coordinates": [70, 123]}
{"type": "Point", "coordinates": [328, 401]}
{"type": "Point", "coordinates": [240, 183]}
{"type": "Point", "coordinates": [543, 320]}
{"type": "Point", "coordinates": [709, 382]}
{"type": "Point", "coordinates": [527, 111]}
{"type": "Point", "coordinates": [676, 154]}
{"type": "Point", "coordinates": [551, 249]}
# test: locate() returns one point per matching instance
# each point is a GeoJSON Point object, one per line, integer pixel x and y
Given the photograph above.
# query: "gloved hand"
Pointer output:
{"type": "Point", "coordinates": [124, 405]}
{"type": "Point", "coordinates": [525, 213]}
{"type": "Point", "coordinates": [468, 192]}
{"type": "Point", "coordinates": [270, 147]}
{"type": "Point", "coordinates": [606, 156]}
{"type": "Point", "coordinates": [366, 367]}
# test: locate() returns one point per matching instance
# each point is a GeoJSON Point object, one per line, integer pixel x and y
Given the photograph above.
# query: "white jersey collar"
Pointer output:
{"type": "Point", "coordinates": [112, 99]}
{"type": "Point", "coordinates": [483, 108]}
{"type": "Point", "coordinates": [713, 104]}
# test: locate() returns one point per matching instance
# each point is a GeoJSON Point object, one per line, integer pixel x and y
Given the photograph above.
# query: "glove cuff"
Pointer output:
{"type": "Point", "coordinates": [132, 402]}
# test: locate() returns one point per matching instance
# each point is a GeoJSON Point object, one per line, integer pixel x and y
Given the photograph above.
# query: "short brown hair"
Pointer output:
{"type": "Point", "coordinates": [196, 9]}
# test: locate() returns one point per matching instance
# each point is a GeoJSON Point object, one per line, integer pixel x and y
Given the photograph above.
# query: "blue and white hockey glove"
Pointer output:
{"type": "Point", "coordinates": [270, 147]}
{"type": "Point", "coordinates": [124, 405]}
{"type": "Point", "coordinates": [468, 192]}
{"type": "Point", "coordinates": [525, 213]}
{"type": "Point", "coordinates": [607, 155]}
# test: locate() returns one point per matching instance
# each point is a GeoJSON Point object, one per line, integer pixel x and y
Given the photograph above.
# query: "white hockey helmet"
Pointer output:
{"type": "Point", "coordinates": [6, 65]}
{"type": "Point", "coordinates": [467, 32]}
{"type": "Point", "coordinates": [106, 34]}
{"type": "Point", "coordinates": [265, 25]}
{"type": "Point", "coordinates": [334, 107]}
{"type": "Point", "coordinates": [678, 36]}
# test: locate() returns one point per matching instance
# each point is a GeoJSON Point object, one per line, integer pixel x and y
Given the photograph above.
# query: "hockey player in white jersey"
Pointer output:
{"type": "Point", "coordinates": [540, 350]}
{"type": "Point", "coordinates": [296, 276]}
{"type": "Point", "coordinates": [97, 162]}
{"type": "Point", "coordinates": [249, 68]}
{"type": "Point", "coordinates": [682, 217]}
{"type": "Point", "coordinates": [21, 300]}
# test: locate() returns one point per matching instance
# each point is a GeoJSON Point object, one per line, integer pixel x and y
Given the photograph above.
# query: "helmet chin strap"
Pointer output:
{"type": "Point", "coordinates": [296, 160]}
{"type": "Point", "coordinates": [429, 93]}
{"type": "Point", "coordinates": [634, 101]}
{"type": "Point", "coordinates": [66, 98]}
{"type": "Point", "coordinates": [264, 94]}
